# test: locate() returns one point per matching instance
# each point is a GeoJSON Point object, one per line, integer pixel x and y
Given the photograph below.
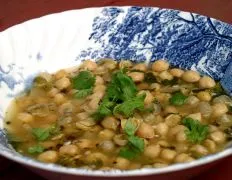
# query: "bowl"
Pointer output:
{"type": "Point", "coordinates": [141, 34]}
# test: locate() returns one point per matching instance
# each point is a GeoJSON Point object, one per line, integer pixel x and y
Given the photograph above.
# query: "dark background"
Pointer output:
{"type": "Point", "coordinates": [16, 11]}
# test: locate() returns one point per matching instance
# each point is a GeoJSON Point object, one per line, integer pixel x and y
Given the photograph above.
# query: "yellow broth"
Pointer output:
{"type": "Point", "coordinates": [180, 116]}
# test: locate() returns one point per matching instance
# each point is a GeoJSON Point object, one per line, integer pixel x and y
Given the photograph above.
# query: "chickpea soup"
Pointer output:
{"type": "Point", "coordinates": [111, 115]}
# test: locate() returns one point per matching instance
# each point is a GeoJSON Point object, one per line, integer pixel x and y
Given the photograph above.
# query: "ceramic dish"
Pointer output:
{"type": "Point", "coordinates": [186, 40]}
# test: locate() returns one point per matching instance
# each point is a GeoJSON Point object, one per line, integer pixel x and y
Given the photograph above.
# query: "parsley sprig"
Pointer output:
{"type": "Point", "coordinates": [196, 132]}
{"type": "Point", "coordinates": [135, 145]}
{"type": "Point", "coordinates": [84, 83]}
{"type": "Point", "coordinates": [120, 97]}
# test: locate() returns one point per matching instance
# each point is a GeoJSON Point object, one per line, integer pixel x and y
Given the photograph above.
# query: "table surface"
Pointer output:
{"type": "Point", "coordinates": [16, 11]}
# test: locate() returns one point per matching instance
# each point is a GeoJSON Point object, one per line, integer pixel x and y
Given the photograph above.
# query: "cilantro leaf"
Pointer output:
{"type": "Point", "coordinates": [130, 127]}
{"type": "Point", "coordinates": [35, 149]}
{"type": "Point", "coordinates": [127, 108]}
{"type": "Point", "coordinates": [178, 99]}
{"type": "Point", "coordinates": [83, 93]}
{"type": "Point", "coordinates": [84, 80]}
{"type": "Point", "coordinates": [41, 134]}
{"type": "Point", "coordinates": [136, 142]}
{"type": "Point", "coordinates": [196, 132]}
{"type": "Point", "coordinates": [149, 78]}
{"type": "Point", "coordinates": [128, 152]}
{"type": "Point", "coordinates": [105, 109]}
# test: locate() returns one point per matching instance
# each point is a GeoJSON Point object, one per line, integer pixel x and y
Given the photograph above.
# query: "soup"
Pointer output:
{"type": "Point", "coordinates": [110, 115]}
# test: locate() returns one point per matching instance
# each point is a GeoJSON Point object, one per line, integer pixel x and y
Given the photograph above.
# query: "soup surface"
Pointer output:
{"type": "Point", "coordinates": [111, 115]}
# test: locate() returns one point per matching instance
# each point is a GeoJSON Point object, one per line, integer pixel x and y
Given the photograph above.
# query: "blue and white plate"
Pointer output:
{"type": "Point", "coordinates": [186, 40]}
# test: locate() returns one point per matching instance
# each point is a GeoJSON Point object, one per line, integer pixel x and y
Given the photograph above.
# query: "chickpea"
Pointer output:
{"type": "Point", "coordinates": [218, 137]}
{"type": "Point", "coordinates": [206, 82]}
{"type": "Point", "coordinates": [168, 154]}
{"type": "Point", "coordinates": [160, 165]}
{"type": "Point", "coordinates": [190, 76]}
{"type": "Point", "coordinates": [176, 72]}
{"type": "Point", "coordinates": [181, 136]}
{"type": "Point", "coordinates": [99, 80]}
{"type": "Point", "coordinates": [51, 118]}
{"type": "Point", "coordinates": [160, 65]}
{"type": "Point", "coordinates": [140, 67]}
{"type": "Point", "coordinates": [53, 92]}
{"type": "Point", "coordinates": [62, 83]}
{"type": "Point", "coordinates": [204, 96]}
{"type": "Point", "coordinates": [181, 147]}
{"type": "Point", "coordinates": [85, 143]}
{"type": "Point", "coordinates": [210, 145]}
{"type": "Point", "coordinates": [145, 131]}
{"type": "Point", "coordinates": [110, 122]}
{"type": "Point", "coordinates": [25, 117]}
{"type": "Point", "coordinates": [161, 129]}
{"type": "Point", "coordinates": [136, 76]}
{"type": "Point", "coordinates": [219, 109]}
{"type": "Point", "coordinates": [183, 157]}
{"type": "Point", "coordinates": [172, 120]}
{"type": "Point", "coordinates": [199, 150]}
{"type": "Point", "coordinates": [120, 139]}
{"type": "Point", "coordinates": [173, 131]}
{"type": "Point", "coordinates": [60, 74]}
{"type": "Point", "coordinates": [106, 134]}
{"type": "Point", "coordinates": [48, 156]}
{"type": "Point", "coordinates": [152, 151]}
{"type": "Point", "coordinates": [122, 163]}
{"type": "Point", "coordinates": [195, 116]}
{"type": "Point", "coordinates": [155, 86]}
{"type": "Point", "coordinates": [165, 75]}
{"type": "Point", "coordinates": [107, 146]}
{"type": "Point", "coordinates": [69, 150]}
{"type": "Point", "coordinates": [89, 65]}
{"type": "Point", "coordinates": [163, 143]}
{"type": "Point", "coordinates": [125, 64]}
{"type": "Point", "coordinates": [170, 110]}
{"type": "Point", "coordinates": [96, 156]}
{"type": "Point", "coordinates": [149, 97]}
{"type": "Point", "coordinates": [94, 103]}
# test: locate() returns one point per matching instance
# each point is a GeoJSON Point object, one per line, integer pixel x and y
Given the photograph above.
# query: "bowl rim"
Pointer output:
{"type": "Point", "coordinates": [29, 162]}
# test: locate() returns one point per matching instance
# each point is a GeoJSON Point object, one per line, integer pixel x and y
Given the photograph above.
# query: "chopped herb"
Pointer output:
{"type": "Point", "coordinates": [149, 78]}
{"type": "Point", "coordinates": [128, 107]}
{"type": "Point", "coordinates": [130, 127]}
{"type": "Point", "coordinates": [178, 99]}
{"type": "Point", "coordinates": [105, 109]}
{"type": "Point", "coordinates": [84, 80]}
{"type": "Point", "coordinates": [35, 149]}
{"type": "Point", "coordinates": [41, 134]}
{"type": "Point", "coordinates": [170, 82]}
{"type": "Point", "coordinates": [128, 152]}
{"type": "Point", "coordinates": [135, 145]}
{"type": "Point", "coordinates": [196, 132]}
{"type": "Point", "coordinates": [83, 93]}
{"type": "Point", "coordinates": [120, 91]}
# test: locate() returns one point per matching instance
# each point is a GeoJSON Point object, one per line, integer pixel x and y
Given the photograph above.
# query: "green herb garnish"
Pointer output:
{"type": "Point", "coordinates": [149, 78]}
{"type": "Point", "coordinates": [128, 107]}
{"type": "Point", "coordinates": [120, 97]}
{"type": "Point", "coordinates": [178, 99]}
{"type": "Point", "coordinates": [84, 83]}
{"type": "Point", "coordinates": [42, 134]}
{"type": "Point", "coordinates": [135, 145]}
{"type": "Point", "coordinates": [83, 93]}
{"type": "Point", "coordinates": [196, 132]}
{"type": "Point", "coordinates": [35, 149]}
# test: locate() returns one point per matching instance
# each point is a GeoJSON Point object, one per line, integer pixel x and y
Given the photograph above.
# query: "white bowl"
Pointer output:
{"type": "Point", "coordinates": [140, 34]}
